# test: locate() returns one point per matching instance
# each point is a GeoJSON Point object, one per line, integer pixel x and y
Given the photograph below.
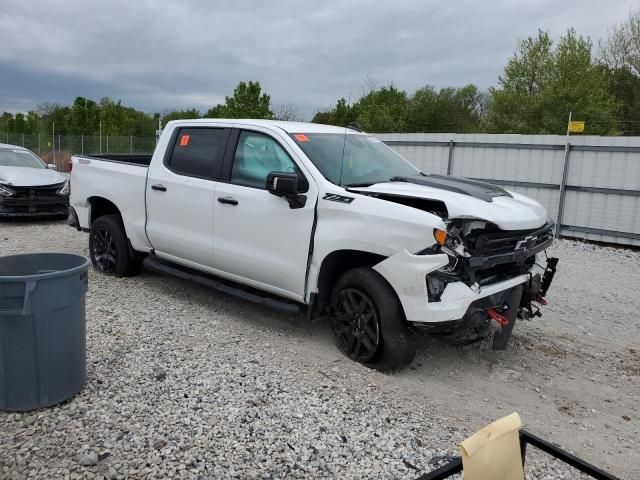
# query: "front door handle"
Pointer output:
{"type": "Point", "coordinates": [159, 187]}
{"type": "Point", "coordinates": [228, 200]}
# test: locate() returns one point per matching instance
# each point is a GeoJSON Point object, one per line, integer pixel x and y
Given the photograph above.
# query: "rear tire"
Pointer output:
{"type": "Point", "coordinates": [109, 248]}
{"type": "Point", "coordinates": [369, 323]}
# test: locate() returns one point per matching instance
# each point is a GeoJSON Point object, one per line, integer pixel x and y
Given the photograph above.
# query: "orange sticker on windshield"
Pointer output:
{"type": "Point", "coordinates": [184, 140]}
{"type": "Point", "coordinates": [301, 137]}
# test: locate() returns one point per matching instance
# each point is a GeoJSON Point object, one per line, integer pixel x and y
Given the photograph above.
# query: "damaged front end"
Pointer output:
{"type": "Point", "coordinates": [481, 255]}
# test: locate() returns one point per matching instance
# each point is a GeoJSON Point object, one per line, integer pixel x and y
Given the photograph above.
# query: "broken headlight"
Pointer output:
{"type": "Point", "coordinates": [5, 191]}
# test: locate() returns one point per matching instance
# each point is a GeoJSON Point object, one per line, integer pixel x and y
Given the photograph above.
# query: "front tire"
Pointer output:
{"type": "Point", "coordinates": [109, 248]}
{"type": "Point", "coordinates": [369, 323]}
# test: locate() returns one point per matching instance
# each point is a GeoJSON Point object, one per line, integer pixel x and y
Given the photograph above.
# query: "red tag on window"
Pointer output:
{"type": "Point", "coordinates": [301, 137]}
{"type": "Point", "coordinates": [184, 140]}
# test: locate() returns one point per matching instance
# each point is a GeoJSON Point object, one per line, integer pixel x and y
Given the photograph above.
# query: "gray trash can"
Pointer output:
{"type": "Point", "coordinates": [42, 329]}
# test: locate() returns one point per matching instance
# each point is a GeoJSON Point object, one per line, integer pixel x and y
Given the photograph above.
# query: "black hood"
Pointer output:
{"type": "Point", "coordinates": [474, 188]}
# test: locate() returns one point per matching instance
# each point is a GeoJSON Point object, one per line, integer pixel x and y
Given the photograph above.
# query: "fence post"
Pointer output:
{"type": "Point", "coordinates": [130, 143]}
{"type": "Point", "coordinates": [23, 140]}
{"type": "Point", "coordinates": [563, 186]}
{"type": "Point", "coordinates": [39, 153]}
{"type": "Point", "coordinates": [81, 144]}
{"type": "Point", "coordinates": [452, 146]}
{"type": "Point", "coordinates": [107, 143]}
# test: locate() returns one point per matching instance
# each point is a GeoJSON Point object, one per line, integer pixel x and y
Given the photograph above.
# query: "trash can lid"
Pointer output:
{"type": "Point", "coordinates": [35, 266]}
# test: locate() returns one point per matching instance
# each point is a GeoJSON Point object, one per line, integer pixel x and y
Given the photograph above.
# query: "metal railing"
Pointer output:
{"type": "Point", "coordinates": [526, 438]}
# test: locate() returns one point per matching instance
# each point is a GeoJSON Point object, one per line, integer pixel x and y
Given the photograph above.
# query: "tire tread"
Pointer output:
{"type": "Point", "coordinates": [398, 346]}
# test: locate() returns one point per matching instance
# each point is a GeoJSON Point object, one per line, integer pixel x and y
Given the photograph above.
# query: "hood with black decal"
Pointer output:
{"type": "Point", "coordinates": [465, 199]}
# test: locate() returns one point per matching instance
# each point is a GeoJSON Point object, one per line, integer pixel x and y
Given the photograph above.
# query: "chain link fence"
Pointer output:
{"type": "Point", "coordinates": [58, 149]}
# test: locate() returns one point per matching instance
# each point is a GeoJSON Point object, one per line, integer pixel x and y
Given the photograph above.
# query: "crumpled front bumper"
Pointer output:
{"type": "Point", "coordinates": [406, 273]}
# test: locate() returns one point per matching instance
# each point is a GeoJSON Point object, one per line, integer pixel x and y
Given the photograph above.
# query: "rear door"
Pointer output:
{"type": "Point", "coordinates": [180, 192]}
{"type": "Point", "coordinates": [258, 238]}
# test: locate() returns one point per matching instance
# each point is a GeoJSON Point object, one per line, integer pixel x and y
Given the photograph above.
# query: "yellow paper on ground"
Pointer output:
{"type": "Point", "coordinates": [493, 453]}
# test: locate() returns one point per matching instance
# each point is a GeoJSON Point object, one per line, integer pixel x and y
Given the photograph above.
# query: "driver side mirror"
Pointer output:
{"type": "Point", "coordinates": [52, 166]}
{"type": "Point", "coordinates": [284, 184]}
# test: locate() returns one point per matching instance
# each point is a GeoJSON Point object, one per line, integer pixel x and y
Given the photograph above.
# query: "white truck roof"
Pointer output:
{"type": "Point", "coordinates": [289, 127]}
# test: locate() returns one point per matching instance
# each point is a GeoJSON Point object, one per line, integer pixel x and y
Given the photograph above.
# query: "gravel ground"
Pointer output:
{"type": "Point", "coordinates": [184, 382]}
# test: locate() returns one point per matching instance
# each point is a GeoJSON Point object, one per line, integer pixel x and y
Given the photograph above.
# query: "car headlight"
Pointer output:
{"type": "Point", "coordinates": [5, 191]}
{"type": "Point", "coordinates": [64, 189]}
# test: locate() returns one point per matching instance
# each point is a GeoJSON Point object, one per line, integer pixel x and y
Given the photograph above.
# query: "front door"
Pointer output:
{"type": "Point", "coordinates": [257, 235]}
{"type": "Point", "coordinates": [180, 192]}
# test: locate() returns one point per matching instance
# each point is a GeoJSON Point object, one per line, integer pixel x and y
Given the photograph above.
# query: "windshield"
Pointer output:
{"type": "Point", "coordinates": [10, 157]}
{"type": "Point", "coordinates": [353, 160]}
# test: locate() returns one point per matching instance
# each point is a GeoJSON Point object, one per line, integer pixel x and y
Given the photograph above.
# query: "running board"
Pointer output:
{"type": "Point", "coordinates": [154, 264]}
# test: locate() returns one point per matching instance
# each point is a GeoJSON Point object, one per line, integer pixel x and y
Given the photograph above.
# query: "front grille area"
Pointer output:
{"type": "Point", "coordinates": [498, 255]}
{"type": "Point", "coordinates": [45, 191]}
{"type": "Point", "coordinates": [41, 200]}
{"type": "Point", "coordinates": [488, 243]}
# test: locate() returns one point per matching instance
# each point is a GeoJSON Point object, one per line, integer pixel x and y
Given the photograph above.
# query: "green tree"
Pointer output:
{"type": "Point", "coordinates": [448, 110]}
{"type": "Point", "coordinates": [6, 123]}
{"type": "Point", "coordinates": [383, 110]}
{"type": "Point", "coordinates": [247, 101]}
{"type": "Point", "coordinates": [179, 115]}
{"type": "Point", "coordinates": [119, 120]}
{"type": "Point", "coordinates": [324, 117]}
{"type": "Point", "coordinates": [341, 115]}
{"type": "Point", "coordinates": [84, 117]}
{"type": "Point", "coordinates": [625, 87]}
{"type": "Point", "coordinates": [542, 84]}
{"type": "Point", "coordinates": [33, 122]}
{"type": "Point", "coordinates": [621, 49]}
{"type": "Point", "coordinates": [620, 55]}
{"type": "Point", "coordinates": [54, 113]}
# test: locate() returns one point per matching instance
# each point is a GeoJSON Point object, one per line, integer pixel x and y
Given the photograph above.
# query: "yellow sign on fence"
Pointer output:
{"type": "Point", "coordinates": [576, 127]}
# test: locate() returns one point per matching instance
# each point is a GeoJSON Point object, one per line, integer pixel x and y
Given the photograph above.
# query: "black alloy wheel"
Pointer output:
{"type": "Point", "coordinates": [105, 251]}
{"type": "Point", "coordinates": [356, 324]}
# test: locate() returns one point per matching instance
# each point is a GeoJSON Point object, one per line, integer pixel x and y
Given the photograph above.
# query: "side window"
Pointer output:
{"type": "Point", "coordinates": [197, 151]}
{"type": "Point", "coordinates": [256, 156]}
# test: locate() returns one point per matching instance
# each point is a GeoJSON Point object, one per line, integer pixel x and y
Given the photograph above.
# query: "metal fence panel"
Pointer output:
{"type": "Point", "coordinates": [601, 198]}
{"type": "Point", "coordinates": [433, 160]}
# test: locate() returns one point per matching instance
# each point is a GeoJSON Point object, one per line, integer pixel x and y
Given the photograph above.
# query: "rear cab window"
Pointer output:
{"type": "Point", "coordinates": [197, 151]}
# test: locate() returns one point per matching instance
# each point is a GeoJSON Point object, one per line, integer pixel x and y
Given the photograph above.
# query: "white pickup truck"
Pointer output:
{"type": "Point", "coordinates": [322, 218]}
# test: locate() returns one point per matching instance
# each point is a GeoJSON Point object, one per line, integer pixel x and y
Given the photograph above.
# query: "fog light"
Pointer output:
{"type": "Point", "coordinates": [435, 287]}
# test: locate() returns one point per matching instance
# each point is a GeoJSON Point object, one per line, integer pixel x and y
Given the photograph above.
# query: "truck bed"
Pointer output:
{"type": "Point", "coordinates": [121, 180]}
{"type": "Point", "coordinates": [140, 159]}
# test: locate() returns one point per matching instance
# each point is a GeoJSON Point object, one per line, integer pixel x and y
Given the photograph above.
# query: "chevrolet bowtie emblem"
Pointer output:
{"type": "Point", "coordinates": [526, 242]}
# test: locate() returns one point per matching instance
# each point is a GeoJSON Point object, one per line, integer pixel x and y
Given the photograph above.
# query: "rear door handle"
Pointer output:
{"type": "Point", "coordinates": [159, 187]}
{"type": "Point", "coordinates": [228, 200]}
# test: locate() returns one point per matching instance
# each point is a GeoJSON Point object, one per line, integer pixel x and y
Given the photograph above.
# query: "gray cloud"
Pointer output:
{"type": "Point", "coordinates": [162, 55]}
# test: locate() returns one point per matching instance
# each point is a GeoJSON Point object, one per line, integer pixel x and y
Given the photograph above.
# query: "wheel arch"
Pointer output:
{"type": "Point", "coordinates": [333, 266]}
{"type": "Point", "coordinates": [100, 206]}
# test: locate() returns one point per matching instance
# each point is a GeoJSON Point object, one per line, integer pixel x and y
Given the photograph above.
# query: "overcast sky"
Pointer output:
{"type": "Point", "coordinates": [176, 54]}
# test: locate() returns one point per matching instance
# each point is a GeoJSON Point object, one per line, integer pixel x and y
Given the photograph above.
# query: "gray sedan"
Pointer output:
{"type": "Point", "coordinates": [30, 187]}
